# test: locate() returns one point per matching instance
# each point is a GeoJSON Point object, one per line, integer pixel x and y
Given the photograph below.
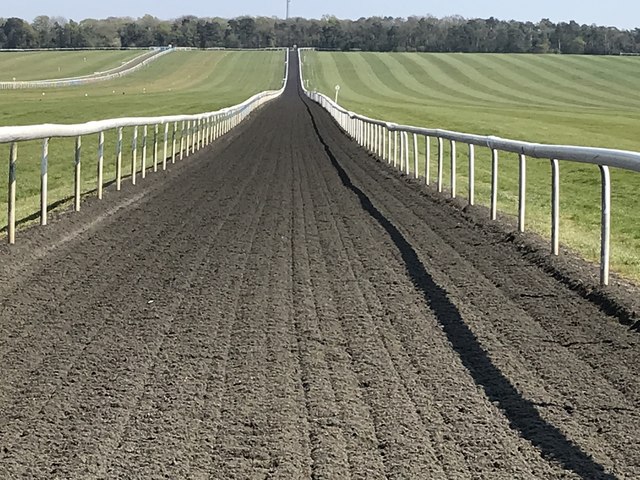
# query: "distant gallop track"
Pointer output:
{"type": "Point", "coordinates": [281, 305]}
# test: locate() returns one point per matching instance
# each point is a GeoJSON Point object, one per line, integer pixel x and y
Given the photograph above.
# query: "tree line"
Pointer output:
{"type": "Point", "coordinates": [413, 34]}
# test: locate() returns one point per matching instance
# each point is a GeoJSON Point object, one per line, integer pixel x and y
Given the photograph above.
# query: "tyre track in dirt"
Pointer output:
{"type": "Point", "coordinates": [285, 306]}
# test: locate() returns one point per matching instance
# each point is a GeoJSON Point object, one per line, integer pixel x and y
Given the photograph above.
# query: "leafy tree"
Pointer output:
{"type": "Point", "coordinates": [19, 34]}
{"type": "Point", "coordinates": [186, 31]}
{"type": "Point", "coordinates": [43, 28]}
{"type": "Point", "coordinates": [3, 37]}
{"type": "Point", "coordinates": [102, 33]}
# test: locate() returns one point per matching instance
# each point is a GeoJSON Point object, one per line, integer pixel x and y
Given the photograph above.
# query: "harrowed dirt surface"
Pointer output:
{"type": "Point", "coordinates": [282, 305]}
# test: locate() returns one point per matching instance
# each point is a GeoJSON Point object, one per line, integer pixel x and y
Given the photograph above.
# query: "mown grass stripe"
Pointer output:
{"type": "Point", "coordinates": [355, 88]}
{"type": "Point", "coordinates": [540, 82]}
{"type": "Point", "coordinates": [501, 91]}
{"type": "Point", "coordinates": [449, 77]}
{"type": "Point", "coordinates": [388, 76]}
{"type": "Point", "coordinates": [405, 71]}
{"type": "Point", "coordinates": [377, 85]}
{"type": "Point", "coordinates": [601, 71]}
{"type": "Point", "coordinates": [516, 81]}
{"type": "Point", "coordinates": [566, 79]}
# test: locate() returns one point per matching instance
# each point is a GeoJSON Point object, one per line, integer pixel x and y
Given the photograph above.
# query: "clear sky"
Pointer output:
{"type": "Point", "coordinates": [619, 13]}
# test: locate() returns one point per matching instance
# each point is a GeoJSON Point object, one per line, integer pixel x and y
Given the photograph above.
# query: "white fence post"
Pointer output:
{"type": "Point", "coordinates": [522, 190]}
{"type": "Point", "coordinates": [100, 173]}
{"type": "Point", "coordinates": [155, 147]}
{"type": "Point", "coordinates": [44, 181]}
{"type": "Point", "coordinates": [164, 150]}
{"type": "Point", "coordinates": [427, 159]}
{"type": "Point", "coordinates": [605, 234]}
{"type": "Point", "coordinates": [182, 140]}
{"type": "Point", "coordinates": [78, 174]}
{"type": "Point", "coordinates": [407, 164]}
{"type": "Point", "coordinates": [134, 155]}
{"type": "Point", "coordinates": [494, 184]}
{"type": "Point", "coordinates": [11, 194]}
{"type": "Point", "coordinates": [383, 135]}
{"type": "Point", "coordinates": [189, 137]}
{"type": "Point", "coordinates": [119, 160]}
{"type": "Point", "coordinates": [453, 169]}
{"type": "Point", "coordinates": [472, 174]}
{"type": "Point", "coordinates": [440, 163]}
{"type": "Point", "coordinates": [555, 207]}
{"type": "Point", "coordinates": [173, 142]}
{"type": "Point", "coordinates": [395, 149]}
{"type": "Point", "coordinates": [401, 165]}
{"type": "Point", "coordinates": [416, 154]}
{"type": "Point", "coordinates": [144, 152]}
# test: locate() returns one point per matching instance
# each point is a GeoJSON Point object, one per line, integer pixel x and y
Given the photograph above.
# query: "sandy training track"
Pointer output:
{"type": "Point", "coordinates": [281, 305]}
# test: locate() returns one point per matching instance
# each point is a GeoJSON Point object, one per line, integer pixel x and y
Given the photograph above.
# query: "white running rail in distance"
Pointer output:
{"type": "Point", "coordinates": [128, 68]}
{"type": "Point", "coordinates": [391, 142]}
{"type": "Point", "coordinates": [177, 135]}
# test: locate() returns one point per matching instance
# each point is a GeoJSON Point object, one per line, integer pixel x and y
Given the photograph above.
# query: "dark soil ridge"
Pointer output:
{"type": "Point", "coordinates": [620, 299]}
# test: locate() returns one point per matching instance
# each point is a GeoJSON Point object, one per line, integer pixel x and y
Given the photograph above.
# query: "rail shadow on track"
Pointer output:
{"type": "Point", "coordinates": [520, 412]}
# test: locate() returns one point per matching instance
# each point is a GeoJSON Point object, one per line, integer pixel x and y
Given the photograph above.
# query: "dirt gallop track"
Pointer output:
{"type": "Point", "coordinates": [283, 306]}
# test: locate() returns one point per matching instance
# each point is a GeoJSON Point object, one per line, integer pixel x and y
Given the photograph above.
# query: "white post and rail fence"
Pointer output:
{"type": "Point", "coordinates": [172, 138]}
{"type": "Point", "coordinates": [392, 143]}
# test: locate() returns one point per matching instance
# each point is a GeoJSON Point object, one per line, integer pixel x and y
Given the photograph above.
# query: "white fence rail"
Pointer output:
{"type": "Point", "coordinates": [392, 143]}
{"type": "Point", "coordinates": [128, 68]}
{"type": "Point", "coordinates": [176, 135]}
{"type": "Point", "coordinates": [231, 49]}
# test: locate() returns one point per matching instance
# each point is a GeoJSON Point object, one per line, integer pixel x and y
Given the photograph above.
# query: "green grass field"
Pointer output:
{"type": "Point", "coordinates": [179, 83]}
{"type": "Point", "coordinates": [579, 100]}
{"type": "Point", "coordinates": [25, 66]}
